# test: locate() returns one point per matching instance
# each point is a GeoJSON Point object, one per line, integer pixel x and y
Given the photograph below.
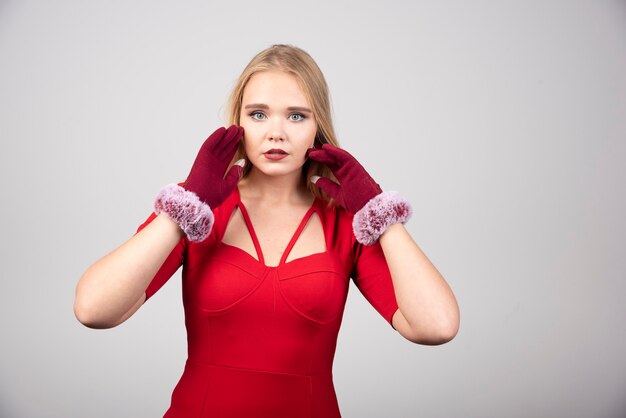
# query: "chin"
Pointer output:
{"type": "Point", "coordinates": [275, 170]}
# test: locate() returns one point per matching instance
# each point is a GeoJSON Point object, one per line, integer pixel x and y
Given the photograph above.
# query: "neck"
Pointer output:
{"type": "Point", "coordinates": [274, 190]}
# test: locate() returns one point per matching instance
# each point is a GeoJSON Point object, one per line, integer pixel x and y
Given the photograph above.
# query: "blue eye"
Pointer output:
{"type": "Point", "coordinates": [257, 115]}
{"type": "Point", "coordinates": [296, 117]}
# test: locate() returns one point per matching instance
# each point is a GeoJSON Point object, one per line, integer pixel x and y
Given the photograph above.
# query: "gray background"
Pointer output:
{"type": "Point", "coordinates": [502, 121]}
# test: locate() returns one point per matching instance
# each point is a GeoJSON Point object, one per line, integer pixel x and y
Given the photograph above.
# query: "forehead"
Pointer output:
{"type": "Point", "coordinates": [274, 88]}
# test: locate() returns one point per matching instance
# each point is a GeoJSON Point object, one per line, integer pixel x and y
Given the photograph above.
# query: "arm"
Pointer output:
{"type": "Point", "coordinates": [112, 289]}
{"type": "Point", "coordinates": [428, 312]}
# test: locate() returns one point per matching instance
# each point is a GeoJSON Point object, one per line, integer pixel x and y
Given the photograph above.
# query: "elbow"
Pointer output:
{"type": "Point", "coordinates": [443, 334]}
{"type": "Point", "coordinates": [443, 327]}
{"type": "Point", "coordinates": [437, 332]}
{"type": "Point", "coordinates": [434, 336]}
{"type": "Point", "coordinates": [87, 316]}
{"type": "Point", "coordinates": [90, 310]}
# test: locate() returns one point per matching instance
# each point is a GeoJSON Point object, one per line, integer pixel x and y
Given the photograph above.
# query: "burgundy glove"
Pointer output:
{"type": "Point", "coordinates": [374, 210]}
{"type": "Point", "coordinates": [189, 204]}
{"type": "Point", "coordinates": [206, 178]}
{"type": "Point", "coordinates": [357, 186]}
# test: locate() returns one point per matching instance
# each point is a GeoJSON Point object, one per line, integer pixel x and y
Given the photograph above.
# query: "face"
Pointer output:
{"type": "Point", "coordinates": [278, 122]}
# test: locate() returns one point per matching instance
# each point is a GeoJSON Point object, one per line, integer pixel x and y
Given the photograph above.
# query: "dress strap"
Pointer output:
{"type": "Point", "coordinates": [295, 236]}
{"type": "Point", "coordinates": [255, 240]}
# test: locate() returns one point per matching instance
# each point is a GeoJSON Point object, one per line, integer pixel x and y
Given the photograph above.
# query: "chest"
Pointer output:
{"type": "Point", "coordinates": [276, 264]}
{"type": "Point", "coordinates": [275, 236]}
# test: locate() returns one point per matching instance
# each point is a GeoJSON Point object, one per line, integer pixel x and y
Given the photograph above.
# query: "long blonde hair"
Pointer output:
{"type": "Point", "coordinates": [298, 63]}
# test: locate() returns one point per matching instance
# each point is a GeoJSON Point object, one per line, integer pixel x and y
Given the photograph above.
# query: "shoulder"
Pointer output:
{"type": "Point", "coordinates": [338, 222]}
{"type": "Point", "coordinates": [228, 204]}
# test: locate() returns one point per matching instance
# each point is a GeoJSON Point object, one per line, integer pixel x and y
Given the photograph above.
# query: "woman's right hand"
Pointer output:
{"type": "Point", "coordinates": [206, 178]}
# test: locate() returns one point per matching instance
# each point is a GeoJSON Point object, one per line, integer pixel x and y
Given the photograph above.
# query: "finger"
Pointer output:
{"type": "Point", "coordinates": [340, 154]}
{"type": "Point", "coordinates": [231, 147]}
{"type": "Point", "coordinates": [329, 187]}
{"type": "Point", "coordinates": [234, 174]}
{"type": "Point", "coordinates": [345, 162]}
{"type": "Point", "coordinates": [322, 156]}
{"type": "Point", "coordinates": [228, 144]}
{"type": "Point", "coordinates": [214, 139]}
{"type": "Point", "coordinates": [232, 134]}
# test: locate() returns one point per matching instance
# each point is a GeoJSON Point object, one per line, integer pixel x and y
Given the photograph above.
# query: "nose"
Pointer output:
{"type": "Point", "coordinates": [276, 131]}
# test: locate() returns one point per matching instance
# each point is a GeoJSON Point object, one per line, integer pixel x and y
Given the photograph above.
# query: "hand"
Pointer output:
{"type": "Point", "coordinates": [206, 178]}
{"type": "Point", "coordinates": [356, 186]}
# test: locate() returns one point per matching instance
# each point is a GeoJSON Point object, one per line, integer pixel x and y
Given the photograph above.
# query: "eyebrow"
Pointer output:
{"type": "Point", "coordinates": [290, 108]}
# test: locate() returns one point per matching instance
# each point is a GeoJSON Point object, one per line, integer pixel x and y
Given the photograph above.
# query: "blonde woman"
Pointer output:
{"type": "Point", "coordinates": [270, 225]}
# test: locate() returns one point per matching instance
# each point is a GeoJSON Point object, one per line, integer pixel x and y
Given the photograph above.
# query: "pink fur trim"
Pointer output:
{"type": "Point", "coordinates": [378, 214]}
{"type": "Point", "coordinates": [193, 216]}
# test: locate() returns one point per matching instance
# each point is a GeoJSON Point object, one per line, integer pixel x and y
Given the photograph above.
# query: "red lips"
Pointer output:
{"type": "Point", "coordinates": [275, 151]}
{"type": "Point", "coordinates": [275, 154]}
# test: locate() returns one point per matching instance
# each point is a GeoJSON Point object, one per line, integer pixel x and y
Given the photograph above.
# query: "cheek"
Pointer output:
{"type": "Point", "coordinates": [246, 127]}
{"type": "Point", "coordinates": [247, 148]}
{"type": "Point", "coordinates": [250, 134]}
{"type": "Point", "coordinates": [304, 133]}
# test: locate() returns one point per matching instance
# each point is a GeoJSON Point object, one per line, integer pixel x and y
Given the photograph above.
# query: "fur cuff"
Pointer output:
{"type": "Point", "coordinates": [193, 216]}
{"type": "Point", "coordinates": [378, 214]}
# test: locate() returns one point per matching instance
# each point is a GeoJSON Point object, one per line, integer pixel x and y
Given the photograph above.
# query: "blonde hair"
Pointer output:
{"type": "Point", "coordinates": [298, 63]}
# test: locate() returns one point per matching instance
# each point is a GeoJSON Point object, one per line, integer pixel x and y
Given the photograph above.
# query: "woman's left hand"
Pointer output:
{"type": "Point", "coordinates": [356, 187]}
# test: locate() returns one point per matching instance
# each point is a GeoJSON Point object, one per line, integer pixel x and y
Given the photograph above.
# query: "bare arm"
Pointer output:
{"type": "Point", "coordinates": [427, 309]}
{"type": "Point", "coordinates": [112, 289]}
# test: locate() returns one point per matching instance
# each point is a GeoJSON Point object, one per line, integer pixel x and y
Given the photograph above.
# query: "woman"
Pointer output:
{"type": "Point", "coordinates": [263, 304]}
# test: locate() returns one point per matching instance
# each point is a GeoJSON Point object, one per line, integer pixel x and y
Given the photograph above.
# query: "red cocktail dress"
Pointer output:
{"type": "Point", "coordinates": [261, 340]}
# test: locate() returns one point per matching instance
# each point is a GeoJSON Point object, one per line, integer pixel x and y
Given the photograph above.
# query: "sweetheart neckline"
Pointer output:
{"type": "Point", "coordinates": [279, 265]}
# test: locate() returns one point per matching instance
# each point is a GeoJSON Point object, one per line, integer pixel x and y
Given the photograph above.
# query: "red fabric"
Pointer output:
{"type": "Point", "coordinates": [261, 340]}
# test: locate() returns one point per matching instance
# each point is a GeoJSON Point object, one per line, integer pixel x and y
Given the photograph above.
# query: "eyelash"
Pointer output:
{"type": "Point", "coordinates": [256, 112]}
